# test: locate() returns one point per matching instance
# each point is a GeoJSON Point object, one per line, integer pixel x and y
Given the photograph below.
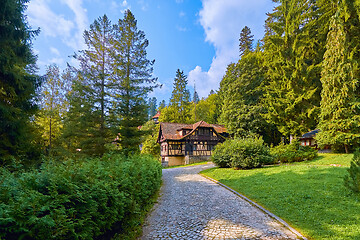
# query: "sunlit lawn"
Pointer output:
{"type": "Point", "coordinates": [188, 165]}
{"type": "Point", "coordinates": [310, 196]}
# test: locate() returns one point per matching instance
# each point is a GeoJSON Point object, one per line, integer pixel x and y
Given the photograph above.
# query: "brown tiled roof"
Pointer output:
{"type": "Point", "coordinates": [157, 114]}
{"type": "Point", "coordinates": [171, 131]}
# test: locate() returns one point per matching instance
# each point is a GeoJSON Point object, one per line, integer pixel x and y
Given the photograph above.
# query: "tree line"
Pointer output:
{"type": "Point", "coordinates": [91, 108]}
{"type": "Point", "coordinates": [303, 75]}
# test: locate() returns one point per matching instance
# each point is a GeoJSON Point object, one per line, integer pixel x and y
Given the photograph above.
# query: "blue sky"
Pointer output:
{"type": "Point", "coordinates": [199, 37]}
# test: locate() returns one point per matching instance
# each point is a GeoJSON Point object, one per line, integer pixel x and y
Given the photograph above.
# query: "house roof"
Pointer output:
{"type": "Point", "coordinates": [310, 134]}
{"type": "Point", "coordinates": [157, 115]}
{"type": "Point", "coordinates": [171, 131]}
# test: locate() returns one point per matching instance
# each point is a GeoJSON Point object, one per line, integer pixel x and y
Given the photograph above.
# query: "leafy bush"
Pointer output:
{"type": "Point", "coordinates": [76, 199]}
{"type": "Point", "coordinates": [293, 152]}
{"type": "Point", "coordinates": [352, 181]}
{"type": "Point", "coordinates": [242, 153]}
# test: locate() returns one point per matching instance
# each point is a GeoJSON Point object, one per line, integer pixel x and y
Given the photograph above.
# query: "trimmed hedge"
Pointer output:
{"type": "Point", "coordinates": [242, 153]}
{"type": "Point", "coordinates": [76, 199]}
{"type": "Point", "coordinates": [293, 152]}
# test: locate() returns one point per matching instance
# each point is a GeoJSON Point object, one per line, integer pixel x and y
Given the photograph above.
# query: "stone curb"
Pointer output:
{"type": "Point", "coordinates": [285, 224]}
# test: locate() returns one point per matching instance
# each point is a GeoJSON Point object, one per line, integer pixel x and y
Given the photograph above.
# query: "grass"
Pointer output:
{"type": "Point", "coordinates": [188, 165]}
{"type": "Point", "coordinates": [310, 196]}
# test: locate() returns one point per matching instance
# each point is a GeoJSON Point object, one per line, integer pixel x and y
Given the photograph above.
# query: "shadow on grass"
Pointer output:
{"type": "Point", "coordinates": [313, 199]}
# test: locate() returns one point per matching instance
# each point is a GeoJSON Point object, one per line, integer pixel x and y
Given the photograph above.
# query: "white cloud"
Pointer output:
{"type": "Point", "coordinates": [144, 5]}
{"type": "Point", "coordinates": [51, 24]}
{"type": "Point", "coordinates": [56, 25]}
{"type": "Point", "coordinates": [222, 22]}
{"type": "Point", "coordinates": [182, 14]}
{"type": "Point", "coordinates": [81, 21]}
{"type": "Point", "coordinates": [55, 51]}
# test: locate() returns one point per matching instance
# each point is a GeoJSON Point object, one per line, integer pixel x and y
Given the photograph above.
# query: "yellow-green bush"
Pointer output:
{"type": "Point", "coordinates": [76, 199]}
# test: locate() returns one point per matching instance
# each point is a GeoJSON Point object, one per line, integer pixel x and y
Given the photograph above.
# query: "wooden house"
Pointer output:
{"type": "Point", "coordinates": [188, 143]}
{"type": "Point", "coordinates": [308, 138]}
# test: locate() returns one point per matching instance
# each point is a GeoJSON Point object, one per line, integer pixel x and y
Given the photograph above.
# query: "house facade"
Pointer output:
{"type": "Point", "coordinates": [188, 143]}
{"type": "Point", "coordinates": [308, 139]}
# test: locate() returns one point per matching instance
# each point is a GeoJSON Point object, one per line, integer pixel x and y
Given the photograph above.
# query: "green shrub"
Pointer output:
{"type": "Point", "coordinates": [220, 155]}
{"type": "Point", "coordinates": [76, 199]}
{"type": "Point", "coordinates": [352, 181]}
{"type": "Point", "coordinates": [293, 152]}
{"type": "Point", "coordinates": [242, 153]}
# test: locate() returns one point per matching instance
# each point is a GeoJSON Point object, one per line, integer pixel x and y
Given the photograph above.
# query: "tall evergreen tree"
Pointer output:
{"type": "Point", "coordinates": [132, 80]}
{"type": "Point", "coordinates": [340, 102]}
{"type": "Point", "coordinates": [162, 105]}
{"type": "Point", "coordinates": [294, 47]}
{"type": "Point", "coordinates": [93, 85]}
{"type": "Point", "coordinates": [245, 41]}
{"type": "Point", "coordinates": [180, 98]}
{"type": "Point", "coordinates": [17, 81]}
{"type": "Point", "coordinates": [196, 98]}
{"type": "Point", "coordinates": [152, 107]}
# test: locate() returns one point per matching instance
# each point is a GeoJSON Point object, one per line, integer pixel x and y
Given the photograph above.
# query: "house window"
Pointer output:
{"type": "Point", "coordinates": [195, 147]}
{"type": "Point", "coordinates": [204, 131]}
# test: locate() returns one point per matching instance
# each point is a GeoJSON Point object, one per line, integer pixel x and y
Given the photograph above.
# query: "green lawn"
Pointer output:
{"type": "Point", "coordinates": [310, 196]}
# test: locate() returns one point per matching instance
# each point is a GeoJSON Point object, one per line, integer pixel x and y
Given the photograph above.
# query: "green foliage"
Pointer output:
{"type": "Point", "coordinates": [18, 83]}
{"type": "Point", "coordinates": [180, 98]}
{"type": "Point", "coordinates": [242, 153]}
{"type": "Point", "coordinates": [340, 97]}
{"type": "Point", "coordinates": [352, 180]}
{"type": "Point", "coordinates": [108, 100]}
{"type": "Point", "coordinates": [152, 107]}
{"type": "Point", "coordinates": [294, 47]}
{"type": "Point", "coordinates": [206, 109]}
{"type": "Point", "coordinates": [240, 93]}
{"type": "Point", "coordinates": [150, 145]}
{"type": "Point", "coordinates": [76, 199]}
{"type": "Point", "coordinates": [245, 41]}
{"type": "Point", "coordinates": [294, 152]}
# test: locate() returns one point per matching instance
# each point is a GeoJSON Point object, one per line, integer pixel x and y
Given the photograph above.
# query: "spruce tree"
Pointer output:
{"type": "Point", "coordinates": [94, 79]}
{"type": "Point", "coordinates": [152, 107]}
{"type": "Point", "coordinates": [132, 82]}
{"type": "Point", "coordinates": [340, 97]}
{"type": "Point", "coordinates": [17, 82]}
{"type": "Point", "coordinates": [294, 47]}
{"type": "Point", "coordinates": [180, 98]}
{"type": "Point", "coordinates": [245, 41]}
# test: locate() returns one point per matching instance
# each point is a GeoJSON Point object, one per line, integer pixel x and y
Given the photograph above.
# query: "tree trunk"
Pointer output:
{"type": "Point", "coordinates": [346, 148]}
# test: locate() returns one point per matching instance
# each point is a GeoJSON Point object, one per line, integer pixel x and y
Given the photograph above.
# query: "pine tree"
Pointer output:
{"type": "Point", "coordinates": [17, 82]}
{"type": "Point", "coordinates": [340, 103]}
{"type": "Point", "coordinates": [132, 80]}
{"type": "Point", "coordinates": [162, 105]}
{"type": "Point", "coordinates": [180, 98]}
{"type": "Point", "coordinates": [152, 107]}
{"type": "Point", "coordinates": [245, 41]}
{"type": "Point", "coordinates": [90, 96]}
{"type": "Point", "coordinates": [294, 47]}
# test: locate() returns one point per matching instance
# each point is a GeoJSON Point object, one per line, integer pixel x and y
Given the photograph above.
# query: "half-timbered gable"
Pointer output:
{"type": "Point", "coordinates": [187, 143]}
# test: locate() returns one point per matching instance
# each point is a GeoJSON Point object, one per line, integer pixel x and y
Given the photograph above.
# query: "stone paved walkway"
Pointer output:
{"type": "Point", "coordinates": [193, 207]}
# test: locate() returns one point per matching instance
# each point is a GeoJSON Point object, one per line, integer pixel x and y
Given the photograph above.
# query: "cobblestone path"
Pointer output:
{"type": "Point", "coordinates": [193, 207]}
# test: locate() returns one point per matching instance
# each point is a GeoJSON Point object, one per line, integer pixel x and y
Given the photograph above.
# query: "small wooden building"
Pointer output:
{"type": "Point", "coordinates": [308, 138]}
{"type": "Point", "coordinates": [188, 143]}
